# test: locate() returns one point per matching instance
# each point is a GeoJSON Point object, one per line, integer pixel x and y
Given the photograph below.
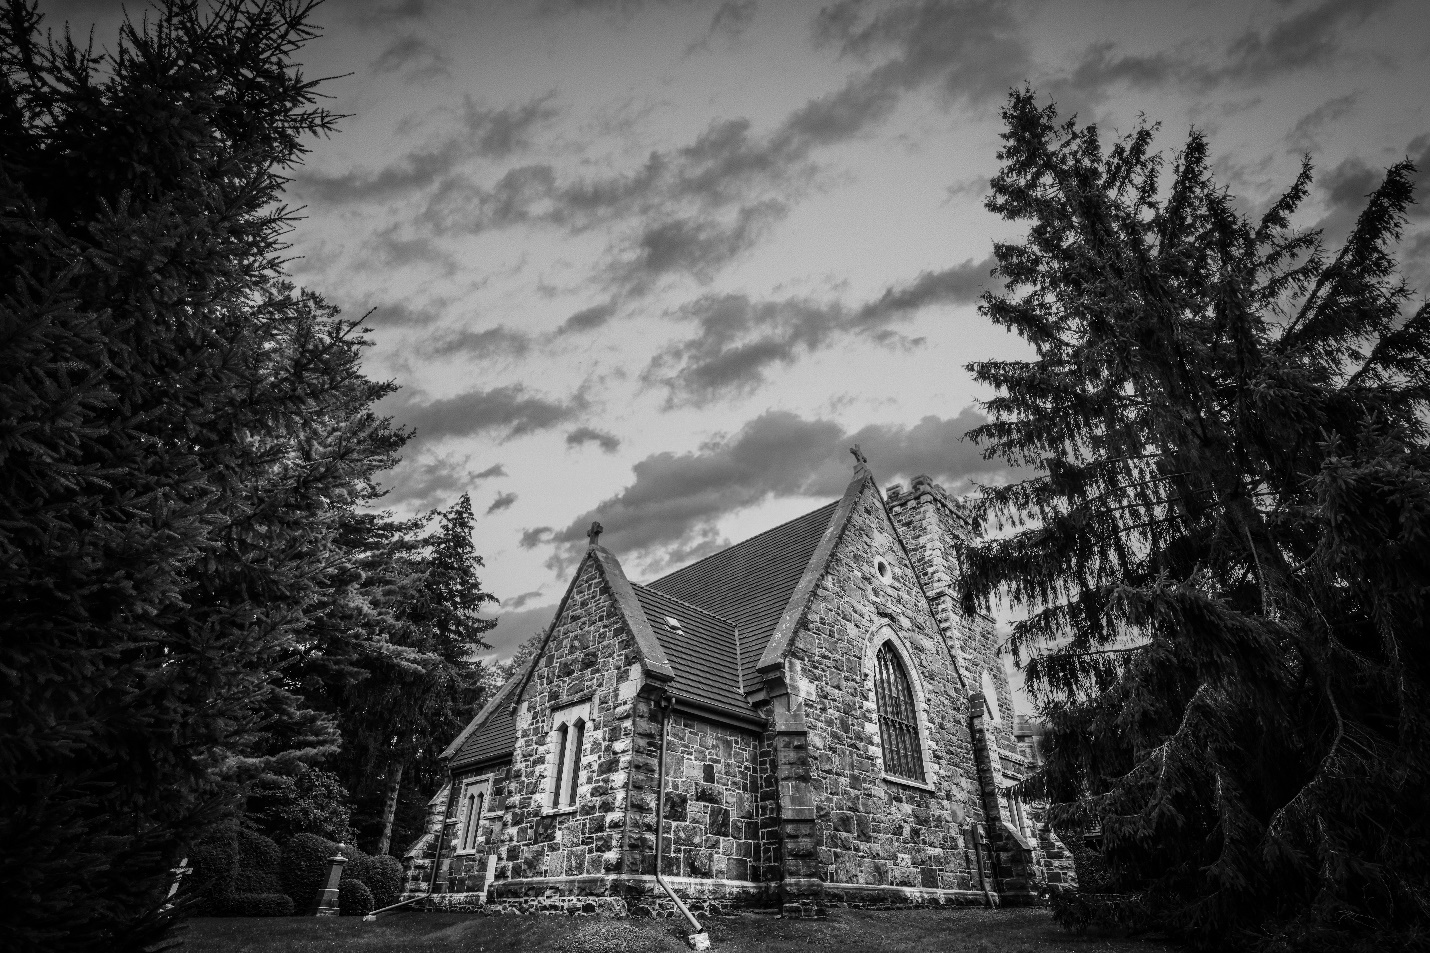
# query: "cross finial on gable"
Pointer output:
{"type": "Point", "coordinates": [594, 533]}
{"type": "Point", "coordinates": [860, 461]}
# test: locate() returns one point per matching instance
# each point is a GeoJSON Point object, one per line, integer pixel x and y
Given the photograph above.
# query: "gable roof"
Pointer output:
{"type": "Point", "coordinates": [750, 584]}
{"type": "Point", "coordinates": [703, 649]}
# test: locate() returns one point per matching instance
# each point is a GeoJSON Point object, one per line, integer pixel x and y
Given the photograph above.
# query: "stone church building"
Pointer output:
{"type": "Point", "coordinates": [805, 718]}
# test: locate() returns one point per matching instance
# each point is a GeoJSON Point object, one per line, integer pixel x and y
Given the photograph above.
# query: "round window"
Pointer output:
{"type": "Point", "coordinates": [883, 570]}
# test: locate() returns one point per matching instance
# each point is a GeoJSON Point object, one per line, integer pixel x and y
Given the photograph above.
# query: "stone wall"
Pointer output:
{"type": "Point", "coordinates": [712, 801]}
{"type": "Point", "coordinates": [936, 529]}
{"type": "Point", "coordinates": [871, 830]}
{"type": "Point", "coordinates": [467, 872]}
{"type": "Point", "coordinates": [590, 656]}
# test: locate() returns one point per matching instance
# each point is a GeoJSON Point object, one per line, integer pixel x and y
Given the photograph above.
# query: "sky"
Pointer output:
{"type": "Point", "coordinates": [659, 264]}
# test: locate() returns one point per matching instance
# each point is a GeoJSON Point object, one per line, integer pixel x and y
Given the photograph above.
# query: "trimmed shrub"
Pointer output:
{"type": "Point", "coordinates": [304, 867]}
{"type": "Point", "coordinates": [354, 899]}
{"type": "Point", "coordinates": [258, 866]}
{"type": "Point", "coordinates": [384, 879]}
{"type": "Point", "coordinates": [214, 859]}
{"type": "Point", "coordinates": [257, 905]}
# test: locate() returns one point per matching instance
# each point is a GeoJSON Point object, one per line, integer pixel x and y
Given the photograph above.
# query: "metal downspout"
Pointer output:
{"type": "Point", "coordinates": [698, 939]}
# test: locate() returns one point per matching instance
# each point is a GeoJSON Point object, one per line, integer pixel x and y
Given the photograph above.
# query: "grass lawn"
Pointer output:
{"type": "Point", "coordinates": [973, 930]}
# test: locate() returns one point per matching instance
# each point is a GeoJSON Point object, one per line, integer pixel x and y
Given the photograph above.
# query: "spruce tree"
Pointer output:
{"type": "Point", "coordinates": [427, 682]}
{"type": "Point", "coordinates": [185, 439]}
{"type": "Point", "coordinates": [1224, 557]}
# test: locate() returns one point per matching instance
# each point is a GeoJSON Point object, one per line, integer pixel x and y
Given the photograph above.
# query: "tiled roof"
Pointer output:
{"type": "Point", "coordinates": [750, 583]}
{"type": "Point", "coordinates": [492, 733]}
{"type": "Point", "coordinates": [702, 649]}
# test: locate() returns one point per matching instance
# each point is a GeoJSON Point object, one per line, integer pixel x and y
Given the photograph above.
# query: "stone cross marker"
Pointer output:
{"type": "Point", "coordinates": [594, 533]}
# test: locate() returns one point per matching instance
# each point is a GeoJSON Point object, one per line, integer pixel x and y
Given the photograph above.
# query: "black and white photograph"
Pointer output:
{"type": "Point", "coordinates": [632, 476]}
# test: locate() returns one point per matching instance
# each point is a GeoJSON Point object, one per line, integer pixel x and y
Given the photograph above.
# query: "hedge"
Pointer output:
{"type": "Point", "coordinates": [304, 867]}
{"type": "Point", "coordinates": [384, 880]}
{"type": "Point", "coordinates": [354, 899]}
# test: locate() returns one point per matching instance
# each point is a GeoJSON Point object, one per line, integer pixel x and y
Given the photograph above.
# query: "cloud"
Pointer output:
{"type": "Point", "coordinates": [505, 412]}
{"type": "Point", "coordinates": [502, 502]}
{"type": "Point", "coordinates": [1310, 38]}
{"type": "Point", "coordinates": [960, 284]}
{"type": "Point", "coordinates": [516, 602]}
{"type": "Point", "coordinates": [694, 245]}
{"type": "Point", "coordinates": [495, 470]}
{"type": "Point", "coordinates": [671, 510]}
{"type": "Point", "coordinates": [588, 319]}
{"type": "Point", "coordinates": [581, 436]}
{"type": "Point", "coordinates": [497, 342]}
{"type": "Point", "coordinates": [692, 210]}
{"type": "Point", "coordinates": [421, 60]}
{"type": "Point", "coordinates": [424, 480]}
{"type": "Point", "coordinates": [536, 536]}
{"type": "Point", "coordinates": [515, 624]}
{"type": "Point", "coordinates": [738, 341]}
{"type": "Point", "coordinates": [1346, 187]}
{"type": "Point", "coordinates": [1303, 136]}
{"type": "Point", "coordinates": [481, 133]}
{"type": "Point", "coordinates": [732, 18]}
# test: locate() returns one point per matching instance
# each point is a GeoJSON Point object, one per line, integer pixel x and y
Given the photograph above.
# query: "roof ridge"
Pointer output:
{"type": "Point", "coordinates": [748, 539]}
{"type": "Point", "coordinates": [688, 605]}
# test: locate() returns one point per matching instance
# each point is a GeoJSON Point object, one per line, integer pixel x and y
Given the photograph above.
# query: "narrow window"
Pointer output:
{"type": "Point", "coordinates": [578, 734]}
{"type": "Point", "coordinates": [475, 825]}
{"type": "Point", "coordinates": [561, 734]}
{"type": "Point", "coordinates": [898, 719]}
{"type": "Point", "coordinates": [467, 821]}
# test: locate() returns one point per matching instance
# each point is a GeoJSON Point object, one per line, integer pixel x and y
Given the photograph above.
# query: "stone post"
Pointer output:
{"type": "Point", "coordinates": [325, 904]}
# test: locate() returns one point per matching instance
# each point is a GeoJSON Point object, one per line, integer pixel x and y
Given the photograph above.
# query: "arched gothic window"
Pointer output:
{"type": "Point", "coordinates": [567, 739]}
{"type": "Point", "coordinates": [898, 718]}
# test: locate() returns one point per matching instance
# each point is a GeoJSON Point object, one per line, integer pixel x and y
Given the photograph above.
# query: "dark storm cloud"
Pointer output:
{"type": "Point", "coordinates": [414, 56]}
{"type": "Point", "coordinates": [504, 412]}
{"type": "Point", "coordinates": [481, 133]}
{"type": "Point", "coordinates": [732, 18]}
{"type": "Point", "coordinates": [581, 436]}
{"type": "Point", "coordinates": [588, 319]}
{"type": "Point", "coordinates": [738, 341]}
{"type": "Point", "coordinates": [497, 342]}
{"type": "Point", "coordinates": [669, 513]}
{"type": "Point", "coordinates": [503, 501]}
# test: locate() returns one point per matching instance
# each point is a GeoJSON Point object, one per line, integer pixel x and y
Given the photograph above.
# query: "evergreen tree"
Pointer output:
{"type": "Point", "coordinates": [184, 442]}
{"type": "Point", "coordinates": [1226, 555]}
{"type": "Point", "coordinates": [416, 696]}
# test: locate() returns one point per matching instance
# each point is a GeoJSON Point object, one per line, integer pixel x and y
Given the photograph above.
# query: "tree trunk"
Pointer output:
{"type": "Point", "coordinates": [389, 807]}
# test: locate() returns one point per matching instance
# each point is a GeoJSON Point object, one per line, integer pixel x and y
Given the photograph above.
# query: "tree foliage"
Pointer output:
{"type": "Point", "coordinates": [1224, 556]}
{"type": "Point", "coordinates": [185, 441]}
{"type": "Point", "coordinates": [412, 699]}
